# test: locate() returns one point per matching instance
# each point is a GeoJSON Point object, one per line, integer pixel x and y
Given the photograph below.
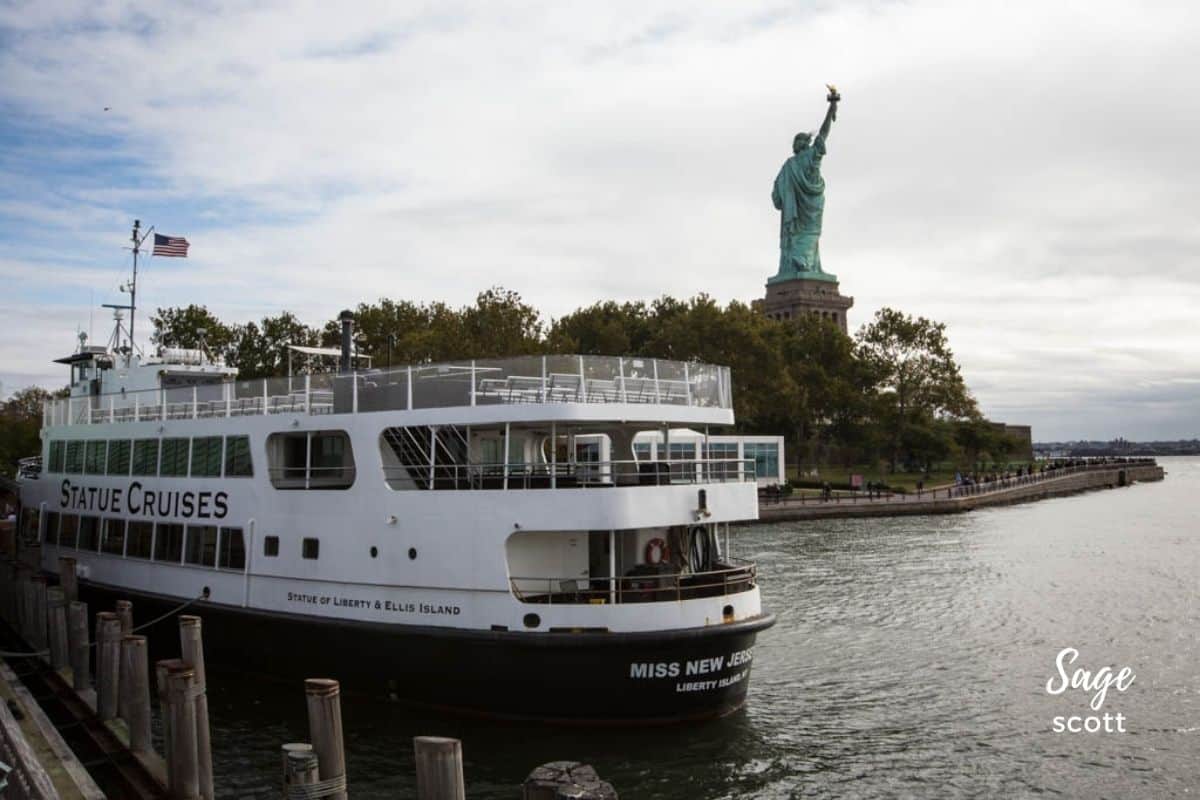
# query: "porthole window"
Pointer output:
{"type": "Point", "coordinates": [310, 548]}
{"type": "Point", "coordinates": [271, 546]}
{"type": "Point", "coordinates": [412, 553]}
{"type": "Point", "coordinates": [532, 620]}
{"type": "Point", "coordinates": [374, 552]}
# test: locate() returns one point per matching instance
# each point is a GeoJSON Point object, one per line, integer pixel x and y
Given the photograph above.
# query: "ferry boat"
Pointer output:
{"type": "Point", "coordinates": [476, 536]}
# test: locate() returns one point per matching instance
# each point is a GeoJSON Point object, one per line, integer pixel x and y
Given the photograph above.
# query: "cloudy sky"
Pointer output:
{"type": "Point", "coordinates": [1025, 172]}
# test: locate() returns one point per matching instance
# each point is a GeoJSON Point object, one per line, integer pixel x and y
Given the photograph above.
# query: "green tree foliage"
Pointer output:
{"type": "Point", "coordinates": [20, 423]}
{"type": "Point", "coordinates": [917, 378]}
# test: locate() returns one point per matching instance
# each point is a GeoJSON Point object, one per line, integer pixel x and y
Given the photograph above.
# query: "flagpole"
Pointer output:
{"type": "Point", "coordinates": [137, 244]}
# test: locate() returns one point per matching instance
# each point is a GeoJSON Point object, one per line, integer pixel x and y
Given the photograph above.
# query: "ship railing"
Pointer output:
{"type": "Point", "coordinates": [644, 584]}
{"type": "Point", "coordinates": [528, 379]}
{"type": "Point", "coordinates": [570, 475]}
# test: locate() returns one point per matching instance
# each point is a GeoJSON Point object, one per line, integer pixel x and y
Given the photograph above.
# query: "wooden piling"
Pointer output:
{"type": "Point", "coordinates": [286, 751]}
{"type": "Point", "coordinates": [135, 685]}
{"type": "Point", "coordinates": [325, 729]}
{"type": "Point", "coordinates": [192, 650]}
{"type": "Point", "coordinates": [57, 625]}
{"type": "Point", "coordinates": [69, 578]}
{"type": "Point", "coordinates": [124, 612]}
{"type": "Point", "coordinates": [439, 768]}
{"type": "Point", "coordinates": [39, 635]}
{"type": "Point", "coordinates": [108, 661]}
{"type": "Point", "coordinates": [302, 769]}
{"type": "Point", "coordinates": [80, 646]}
{"type": "Point", "coordinates": [183, 769]}
{"type": "Point", "coordinates": [161, 670]}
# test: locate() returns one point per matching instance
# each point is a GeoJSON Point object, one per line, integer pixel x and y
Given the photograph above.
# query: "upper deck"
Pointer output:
{"type": "Point", "coordinates": [558, 380]}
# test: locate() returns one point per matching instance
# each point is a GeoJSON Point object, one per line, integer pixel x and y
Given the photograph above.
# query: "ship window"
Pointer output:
{"type": "Point", "coordinates": [201, 545]}
{"type": "Point", "coordinates": [57, 451]}
{"type": "Point", "coordinates": [145, 457]}
{"type": "Point", "coordinates": [233, 549]}
{"type": "Point", "coordinates": [70, 527]}
{"type": "Point", "coordinates": [641, 451]}
{"type": "Point", "coordinates": [114, 537]}
{"type": "Point", "coordinates": [51, 534]}
{"type": "Point", "coordinates": [174, 461]}
{"type": "Point", "coordinates": [94, 458]}
{"type": "Point", "coordinates": [74, 459]}
{"type": "Point", "coordinates": [311, 460]}
{"type": "Point", "coordinates": [168, 542]}
{"type": "Point", "coordinates": [89, 532]}
{"type": "Point", "coordinates": [237, 457]}
{"type": "Point", "coordinates": [118, 457]}
{"type": "Point", "coordinates": [141, 537]}
{"type": "Point", "coordinates": [271, 546]}
{"type": "Point", "coordinates": [310, 548]}
{"type": "Point", "coordinates": [206, 457]}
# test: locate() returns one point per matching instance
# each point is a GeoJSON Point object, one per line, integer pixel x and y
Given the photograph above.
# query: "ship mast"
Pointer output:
{"type": "Point", "coordinates": [131, 286]}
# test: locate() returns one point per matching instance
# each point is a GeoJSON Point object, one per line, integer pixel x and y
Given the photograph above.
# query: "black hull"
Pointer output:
{"type": "Point", "coordinates": [582, 678]}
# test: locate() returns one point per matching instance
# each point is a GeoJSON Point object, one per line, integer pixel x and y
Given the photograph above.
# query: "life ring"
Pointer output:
{"type": "Point", "coordinates": [656, 551]}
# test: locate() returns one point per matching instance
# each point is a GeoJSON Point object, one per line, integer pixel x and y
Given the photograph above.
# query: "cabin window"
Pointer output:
{"type": "Point", "coordinates": [233, 549]}
{"type": "Point", "coordinates": [57, 452]}
{"type": "Point", "coordinates": [168, 542]}
{"type": "Point", "coordinates": [201, 545]}
{"type": "Point", "coordinates": [206, 457]}
{"type": "Point", "coordinates": [237, 457]}
{"type": "Point", "coordinates": [118, 457]}
{"type": "Point", "coordinates": [114, 537]}
{"type": "Point", "coordinates": [641, 451]}
{"type": "Point", "coordinates": [271, 546]}
{"type": "Point", "coordinates": [74, 458]}
{"type": "Point", "coordinates": [311, 460]}
{"type": "Point", "coordinates": [174, 460]}
{"type": "Point", "coordinates": [94, 457]}
{"type": "Point", "coordinates": [141, 538]}
{"type": "Point", "coordinates": [51, 534]}
{"type": "Point", "coordinates": [89, 532]}
{"type": "Point", "coordinates": [69, 530]}
{"type": "Point", "coordinates": [310, 548]}
{"type": "Point", "coordinates": [145, 457]}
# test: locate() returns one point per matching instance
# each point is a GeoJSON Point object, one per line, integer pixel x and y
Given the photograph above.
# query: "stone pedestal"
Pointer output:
{"type": "Point", "coordinates": [790, 299]}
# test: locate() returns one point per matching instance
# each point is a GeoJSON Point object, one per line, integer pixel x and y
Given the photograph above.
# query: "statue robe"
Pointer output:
{"type": "Point", "coordinates": [799, 194]}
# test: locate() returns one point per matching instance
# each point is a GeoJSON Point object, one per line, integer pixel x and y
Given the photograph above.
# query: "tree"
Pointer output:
{"type": "Point", "coordinates": [20, 424]}
{"type": "Point", "coordinates": [915, 371]}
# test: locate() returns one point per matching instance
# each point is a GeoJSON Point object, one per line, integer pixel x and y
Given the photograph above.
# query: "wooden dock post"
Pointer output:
{"type": "Point", "coordinates": [302, 769]}
{"type": "Point", "coordinates": [57, 624]}
{"type": "Point", "coordinates": [68, 577]}
{"type": "Point", "coordinates": [135, 685]}
{"type": "Point", "coordinates": [80, 645]}
{"type": "Point", "coordinates": [325, 730]}
{"type": "Point", "coordinates": [439, 768]}
{"type": "Point", "coordinates": [192, 650]}
{"type": "Point", "coordinates": [161, 670]}
{"type": "Point", "coordinates": [40, 639]}
{"type": "Point", "coordinates": [183, 769]}
{"type": "Point", "coordinates": [108, 661]}
{"type": "Point", "coordinates": [286, 751]}
{"type": "Point", "coordinates": [124, 612]}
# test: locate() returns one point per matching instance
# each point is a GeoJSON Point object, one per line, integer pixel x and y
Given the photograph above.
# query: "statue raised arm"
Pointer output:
{"type": "Point", "coordinates": [799, 194]}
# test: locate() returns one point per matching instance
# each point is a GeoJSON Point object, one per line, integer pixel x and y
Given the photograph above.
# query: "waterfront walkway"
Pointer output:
{"type": "Point", "coordinates": [1059, 480]}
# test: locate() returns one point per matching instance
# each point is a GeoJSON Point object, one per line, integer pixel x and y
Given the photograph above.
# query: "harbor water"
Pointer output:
{"type": "Point", "coordinates": [912, 657]}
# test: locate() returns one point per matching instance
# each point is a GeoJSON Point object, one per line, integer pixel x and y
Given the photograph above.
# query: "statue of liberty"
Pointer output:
{"type": "Point", "coordinates": [799, 194]}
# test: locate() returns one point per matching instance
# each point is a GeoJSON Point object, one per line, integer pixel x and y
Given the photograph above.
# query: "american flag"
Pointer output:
{"type": "Point", "coordinates": [170, 246]}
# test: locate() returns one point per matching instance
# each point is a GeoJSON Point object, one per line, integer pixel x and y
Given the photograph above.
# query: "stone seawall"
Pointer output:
{"type": "Point", "coordinates": [1085, 480]}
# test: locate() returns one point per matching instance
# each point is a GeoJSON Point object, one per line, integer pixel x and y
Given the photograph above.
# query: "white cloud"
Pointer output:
{"type": "Point", "coordinates": [1014, 169]}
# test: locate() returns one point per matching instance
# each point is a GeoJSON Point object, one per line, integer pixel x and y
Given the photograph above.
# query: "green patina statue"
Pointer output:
{"type": "Point", "coordinates": [799, 194]}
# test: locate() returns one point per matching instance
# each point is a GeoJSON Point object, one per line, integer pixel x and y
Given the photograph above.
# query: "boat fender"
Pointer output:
{"type": "Point", "coordinates": [699, 548]}
{"type": "Point", "coordinates": [656, 551]}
